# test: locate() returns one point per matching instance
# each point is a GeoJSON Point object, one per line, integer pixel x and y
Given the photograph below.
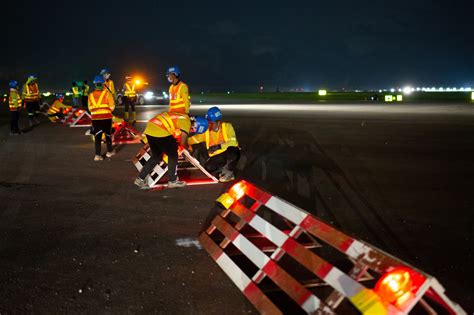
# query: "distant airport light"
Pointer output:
{"type": "Point", "coordinates": [322, 92]}
{"type": "Point", "coordinates": [392, 90]}
{"type": "Point", "coordinates": [472, 96]}
{"type": "Point", "coordinates": [468, 89]}
{"type": "Point", "coordinates": [228, 92]}
{"type": "Point", "coordinates": [68, 93]}
{"type": "Point", "coordinates": [47, 94]}
{"type": "Point", "coordinates": [407, 90]}
{"type": "Point", "coordinates": [399, 98]}
{"type": "Point", "coordinates": [388, 98]}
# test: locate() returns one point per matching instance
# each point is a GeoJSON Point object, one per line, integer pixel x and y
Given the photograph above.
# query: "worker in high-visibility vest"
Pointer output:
{"type": "Point", "coordinates": [129, 98]}
{"type": "Point", "coordinates": [76, 95]}
{"type": "Point", "coordinates": [217, 149]}
{"type": "Point", "coordinates": [14, 102]}
{"type": "Point", "coordinates": [85, 93]}
{"type": "Point", "coordinates": [32, 98]}
{"type": "Point", "coordinates": [56, 110]}
{"type": "Point", "coordinates": [164, 133]}
{"type": "Point", "coordinates": [101, 105]}
{"type": "Point", "coordinates": [178, 92]}
{"type": "Point", "coordinates": [108, 83]}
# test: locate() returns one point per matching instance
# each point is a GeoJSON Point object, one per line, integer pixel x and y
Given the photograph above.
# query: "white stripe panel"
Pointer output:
{"type": "Point", "coordinates": [251, 251]}
{"type": "Point", "coordinates": [239, 278]}
{"type": "Point", "coordinates": [343, 283]}
{"type": "Point", "coordinates": [286, 210]}
{"type": "Point", "coordinates": [269, 231]}
{"type": "Point", "coordinates": [357, 249]}
{"type": "Point", "coordinates": [311, 304]}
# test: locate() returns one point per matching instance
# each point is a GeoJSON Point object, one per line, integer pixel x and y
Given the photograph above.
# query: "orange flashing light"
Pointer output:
{"type": "Point", "coordinates": [395, 287]}
{"type": "Point", "coordinates": [235, 193]}
{"type": "Point", "coordinates": [238, 190]}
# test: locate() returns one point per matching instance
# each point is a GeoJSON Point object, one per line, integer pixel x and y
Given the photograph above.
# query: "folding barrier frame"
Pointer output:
{"type": "Point", "coordinates": [162, 167]}
{"type": "Point", "coordinates": [399, 289]}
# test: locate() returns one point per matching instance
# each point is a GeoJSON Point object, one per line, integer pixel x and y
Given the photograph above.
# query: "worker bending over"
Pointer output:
{"type": "Point", "coordinates": [217, 149]}
{"type": "Point", "coordinates": [165, 132]}
{"type": "Point", "coordinates": [129, 98]}
{"type": "Point", "coordinates": [178, 92]}
{"type": "Point", "coordinates": [14, 102]}
{"type": "Point", "coordinates": [56, 111]}
{"type": "Point", "coordinates": [31, 96]}
{"type": "Point", "coordinates": [101, 106]}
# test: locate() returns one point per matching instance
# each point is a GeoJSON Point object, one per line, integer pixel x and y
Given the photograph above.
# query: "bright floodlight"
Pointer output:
{"type": "Point", "coordinates": [472, 96]}
{"type": "Point", "coordinates": [392, 90]}
{"type": "Point", "coordinates": [322, 92]}
{"type": "Point", "coordinates": [148, 95]}
{"type": "Point", "coordinates": [407, 90]}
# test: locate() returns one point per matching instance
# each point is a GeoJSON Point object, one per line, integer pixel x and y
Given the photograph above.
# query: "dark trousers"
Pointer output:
{"type": "Point", "coordinates": [33, 108]}
{"type": "Point", "coordinates": [100, 127]}
{"type": "Point", "coordinates": [158, 146]}
{"type": "Point", "coordinates": [14, 122]}
{"type": "Point", "coordinates": [129, 102]}
{"type": "Point", "coordinates": [84, 103]}
{"type": "Point", "coordinates": [228, 159]}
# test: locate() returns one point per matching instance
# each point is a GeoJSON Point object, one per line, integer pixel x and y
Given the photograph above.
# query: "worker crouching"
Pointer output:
{"type": "Point", "coordinates": [217, 149]}
{"type": "Point", "coordinates": [165, 132]}
{"type": "Point", "coordinates": [57, 109]}
{"type": "Point", "coordinates": [101, 105]}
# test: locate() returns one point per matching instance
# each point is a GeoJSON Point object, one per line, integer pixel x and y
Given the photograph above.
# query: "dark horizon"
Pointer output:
{"type": "Point", "coordinates": [332, 45]}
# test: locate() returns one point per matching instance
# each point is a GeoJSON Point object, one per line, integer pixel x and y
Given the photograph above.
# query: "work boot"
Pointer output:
{"type": "Point", "coordinates": [110, 154]}
{"type": "Point", "coordinates": [176, 184]}
{"type": "Point", "coordinates": [226, 176]}
{"type": "Point", "coordinates": [98, 158]}
{"type": "Point", "coordinates": [141, 183]}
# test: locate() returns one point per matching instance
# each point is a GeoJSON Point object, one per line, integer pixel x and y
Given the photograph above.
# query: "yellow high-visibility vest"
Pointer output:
{"type": "Point", "coordinates": [101, 105]}
{"type": "Point", "coordinates": [179, 98]}
{"type": "Point", "coordinates": [130, 91]}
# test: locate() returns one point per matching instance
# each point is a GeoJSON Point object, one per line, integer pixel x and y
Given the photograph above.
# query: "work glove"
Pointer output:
{"type": "Point", "coordinates": [214, 148]}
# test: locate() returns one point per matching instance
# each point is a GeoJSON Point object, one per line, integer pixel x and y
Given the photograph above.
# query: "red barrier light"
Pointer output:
{"type": "Point", "coordinates": [238, 190]}
{"type": "Point", "coordinates": [395, 287]}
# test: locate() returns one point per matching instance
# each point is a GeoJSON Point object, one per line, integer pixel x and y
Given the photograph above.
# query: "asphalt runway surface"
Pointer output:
{"type": "Point", "coordinates": [77, 236]}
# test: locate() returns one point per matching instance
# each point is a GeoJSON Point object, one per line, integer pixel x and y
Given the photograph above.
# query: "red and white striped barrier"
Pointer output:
{"type": "Point", "coordinates": [400, 287]}
{"type": "Point", "coordinates": [81, 119]}
{"type": "Point", "coordinates": [161, 168]}
{"type": "Point", "coordinates": [125, 134]}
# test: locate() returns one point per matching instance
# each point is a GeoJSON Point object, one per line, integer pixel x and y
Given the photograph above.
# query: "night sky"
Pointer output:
{"type": "Point", "coordinates": [333, 44]}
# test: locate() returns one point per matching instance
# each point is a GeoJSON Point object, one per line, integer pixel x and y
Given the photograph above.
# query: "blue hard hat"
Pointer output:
{"type": "Point", "coordinates": [200, 124]}
{"type": "Point", "coordinates": [104, 71]}
{"type": "Point", "coordinates": [98, 80]}
{"type": "Point", "coordinates": [13, 84]}
{"type": "Point", "coordinates": [59, 96]}
{"type": "Point", "coordinates": [214, 114]}
{"type": "Point", "coordinates": [173, 69]}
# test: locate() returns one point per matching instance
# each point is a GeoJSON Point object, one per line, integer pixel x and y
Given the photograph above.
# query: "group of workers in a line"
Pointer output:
{"type": "Point", "coordinates": [212, 141]}
{"type": "Point", "coordinates": [29, 98]}
{"type": "Point", "coordinates": [80, 94]}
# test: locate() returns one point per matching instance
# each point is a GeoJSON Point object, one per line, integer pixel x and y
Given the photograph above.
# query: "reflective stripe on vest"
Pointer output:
{"type": "Point", "coordinates": [221, 138]}
{"type": "Point", "coordinates": [32, 94]}
{"type": "Point", "coordinates": [14, 104]}
{"type": "Point", "coordinates": [176, 101]}
{"type": "Point", "coordinates": [165, 122]}
{"type": "Point", "coordinates": [98, 108]}
{"type": "Point", "coordinates": [85, 90]}
{"type": "Point", "coordinates": [75, 91]}
{"type": "Point", "coordinates": [130, 91]}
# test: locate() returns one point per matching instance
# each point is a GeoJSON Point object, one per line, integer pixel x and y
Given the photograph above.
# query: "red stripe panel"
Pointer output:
{"type": "Point", "coordinates": [327, 233]}
{"type": "Point", "coordinates": [242, 212]}
{"type": "Point", "coordinates": [225, 228]}
{"type": "Point", "coordinates": [214, 251]}
{"type": "Point", "coordinates": [257, 194]}
{"type": "Point", "coordinates": [286, 282]}
{"type": "Point", "coordinates": [261, 302]}
{"type": "Point", "coordinates": [311, 261]}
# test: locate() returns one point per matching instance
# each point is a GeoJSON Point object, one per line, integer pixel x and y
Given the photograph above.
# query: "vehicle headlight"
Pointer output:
{"type": "Point", "coordinates": [148, 95]}
{"type": "Point", "coordinates": [165, 95]}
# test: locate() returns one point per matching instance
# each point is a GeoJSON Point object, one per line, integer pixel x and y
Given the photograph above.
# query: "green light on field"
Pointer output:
{"type": "Point", "coordinates": [388, 98]}
{"type": "Point", "coordinates": [399, 98]}
{"type": "Point", "coordinates": [322, 92]}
